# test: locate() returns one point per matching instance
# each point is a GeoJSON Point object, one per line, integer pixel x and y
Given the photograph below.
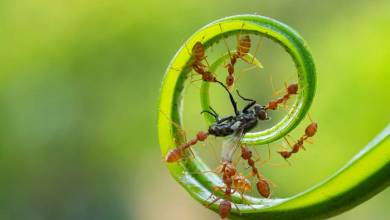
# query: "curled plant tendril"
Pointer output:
{"type": "Point", "coordinates": [364, 176]}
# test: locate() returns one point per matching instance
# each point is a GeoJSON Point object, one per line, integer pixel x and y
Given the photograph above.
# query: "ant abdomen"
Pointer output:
{"type": "Point", "coordinates": [198, 51]}
{"type": "Point", "coordinates": [174, 155]}
{"type": "Point", "coordinates": [224, 209]}
{"type": "Point", "coordinates": [244, 45]}
{"type": "Point", "coordinates": [263, 188]}
{"type": "Point", "coordinates": [311, 129]}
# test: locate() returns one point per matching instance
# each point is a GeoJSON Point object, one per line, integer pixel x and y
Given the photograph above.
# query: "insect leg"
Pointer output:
{"type": "Point", "coordinates": [234, 103]}
{"type": "Point", "coordinates": [211, 113]}
{"type": "Point", "coordinates": [252, 102]}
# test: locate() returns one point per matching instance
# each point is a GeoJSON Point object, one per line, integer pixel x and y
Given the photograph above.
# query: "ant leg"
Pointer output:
{"type": "Point", "coordinates": [215, 189]}
{"type": "Point", "coordinates": [269, 152]}
{"type": "Point", "coordinates": [238, 209]}
{"type": "Point", "coordinates": [192, 152]}
{"type": "Point", "coordinates": [224, 40]}
{"type": "Point", "coordinates": [297, 141]}
{"type": "Point", "coordinates": [257, 49]}
{"type": "Point", "coordinates": [289, 144]}
{"type": "Point", "coordinates": [177, 126]}
{"type": "Point", "coordinates": [285, 159]}
{"type": "Point", "coordinates": [214, 201]}
{"type": "Point", "coordinates": [238, 160]}
{"type": "Point", "coordinates": [188, 50]}
{"type": "Point", "coordinates": [309, 116]}
{"type": "Point", "coordinates": [239, 74]}
{"type": "Point", "coordinates": [239, 34]}
{"type": "Point", "coordinates": [207, 62]}
{"type": "Point", "coordinates": [259, 158]}
{"type": "Point", "coordinates": [309, 142]}
{"type": "Point", "coordinates": [175, 68]}
{"type": "Point", "coordinates": [269, 181]}
{"type": "Point", "coordinates": [265, 161]}
{"type": "Point", "coordinates": [245, 201]}
{"type": "Point", "coordinates": [207, 171]}
{"type": "Point", "coordinates": [274, 92]}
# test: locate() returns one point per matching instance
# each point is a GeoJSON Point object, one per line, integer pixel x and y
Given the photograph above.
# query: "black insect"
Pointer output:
{"type": "Point", "coordinates": [234, 126]}
{"type": "Point", "coordinates": [242, 121]}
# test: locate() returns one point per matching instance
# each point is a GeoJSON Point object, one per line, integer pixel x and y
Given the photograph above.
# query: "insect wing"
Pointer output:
{"type": "Point", "coordinates": [230, 145]}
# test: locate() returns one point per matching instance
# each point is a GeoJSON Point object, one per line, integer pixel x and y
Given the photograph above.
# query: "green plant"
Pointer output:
{"type": "Point", "coordinates": [354, 183]}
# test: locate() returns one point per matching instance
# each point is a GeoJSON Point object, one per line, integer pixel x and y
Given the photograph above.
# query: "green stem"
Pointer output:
{"type": "Point", "coordinates": [329, 198]}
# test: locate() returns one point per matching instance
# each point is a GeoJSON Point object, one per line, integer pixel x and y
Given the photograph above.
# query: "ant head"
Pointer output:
{"type": "Point", "coordinates": [230, 170]}
{"type": "Point", "coordinates": [229, 80]}
{"type": "Point", "coordinates": [311, 129]}
{"type": "Point", "coordinates": [292, 89]}
{"type": "Point", "coordinates": [260, 112]}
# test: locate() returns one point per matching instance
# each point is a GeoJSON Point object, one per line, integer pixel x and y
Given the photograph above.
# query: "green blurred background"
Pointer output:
{"type": "Point", "coordinates": [79, 89]}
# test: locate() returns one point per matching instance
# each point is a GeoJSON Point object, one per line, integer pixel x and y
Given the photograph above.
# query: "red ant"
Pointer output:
{"type": "Point", "coordinates": [241, 184]}
{"type": "Point", "coordinates": [198, 54]}
{"type": "Point", "coordinates": [228, 172]}
{"type": "Point", "coordinates": [177, 153]}
{"type": "Point", "coordinates": [310, 131]}
{"type": "Point", "coordinates": [261, 185]}
{"type": "Point", "coordinates": [292, 89]}
{"type": "Point", "coordinates": [243, 46]}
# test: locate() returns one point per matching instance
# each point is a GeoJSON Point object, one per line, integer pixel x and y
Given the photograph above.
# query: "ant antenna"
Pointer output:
{"type": "Point", "coordinates": [234, 103]}
{"type": "Point", "coordinates": [309, 115]}
{"type": "Point", "coordinates": [224, 40]}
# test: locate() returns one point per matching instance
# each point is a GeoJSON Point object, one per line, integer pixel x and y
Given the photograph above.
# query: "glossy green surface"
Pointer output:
{"type": "Point", "coordinates": [357, 181]}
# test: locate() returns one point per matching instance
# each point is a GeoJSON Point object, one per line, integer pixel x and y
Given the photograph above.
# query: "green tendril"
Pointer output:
{"type": "Point", "coordinates": [356, 182]}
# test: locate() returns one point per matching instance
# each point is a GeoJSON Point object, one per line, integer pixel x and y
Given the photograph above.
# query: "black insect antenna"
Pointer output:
{"type": "Point", "coordinates": [243, 98]}
{"type": "Point", "coordinates": [212, 113]}
{"type": "Point", "coordinates": [251, 103]}
{"type": "Point", "coordinates": [234, 103]}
